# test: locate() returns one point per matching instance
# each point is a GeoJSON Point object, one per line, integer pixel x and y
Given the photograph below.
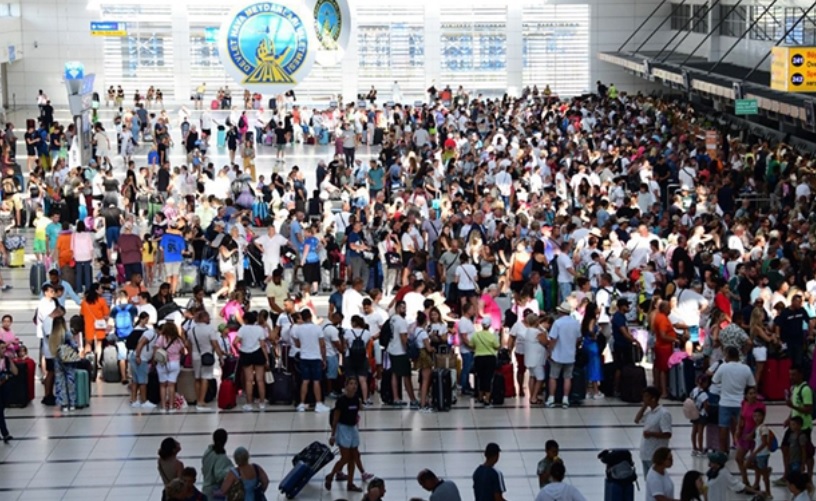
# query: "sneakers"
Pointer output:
{"type": "Point", "coordinates": [164, 410]}
{"type": "Point", "coordinates": [261, 406]}
{"type": "Point", "coordinates": [426, 410]}
{"type": "Point", "coordinates": [367, 476]}
{"type": "Point", "coordinates": [565, 403]}
{"type": "Point", "coordinates": [49, 401]}
{"type": "Point", "coordinates": [550, 402]}
{"type": "Point", "coordinates": [599, 396]}
{"type": "Point", "coordinates": [214, 298]}
{"type": "Point", "coordinates": [72, 408]}
{"type": "Point", "coordinates": [202, 408]}
{"type": "Point", "coordinates": [398, 403]}
{"type": "Point", "coordinates": [148, 405]}
{"type": "Point", "coordinates": [247, 408]}
{"type": "Point", "coordinates": [320, 408]}
{"type": "Point", "coordinates": [415, 405]}
{"type": "Point", "coordinates": [368, 403]}
{"type": "Point", "coordinates": [6, 287]}
{"type": "Point", "coordinates": [64, 408]}
{"type": "Point", "coordinates": [173, 410]}
{"type": "Point", "coordinates": [780, 482]}
{"type": "Point", "coordinates": [7, 438]}
{"type": "Point", "coordinates": [301, 408]}
{"type": "Point", "coordinates": [136, 404]}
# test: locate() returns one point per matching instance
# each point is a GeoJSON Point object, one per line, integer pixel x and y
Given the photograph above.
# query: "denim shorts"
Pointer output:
{"type": "Point", "coordinates": [728, 415]}
{"type": "Point", "coordinates": [348, 437]}
{"type": "Point", "coordinates": [138, 372]}
{"type": "Point", "coordinates": [332, 366]}
{"type": "Point", "coordinates": [761, 462]}
{"type": "Point", "coordinates": [121, 350]}
{"type": "Point", "coordinates": [112, 235]}
{"type": "Point", "coordinates": [311, 370]}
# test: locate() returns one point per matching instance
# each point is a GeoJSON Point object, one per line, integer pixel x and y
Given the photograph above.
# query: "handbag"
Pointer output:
{"type": "Point", "coordinates": [101, 325]}
{"type": "Point", "coordinates": [269, 377]}
{"type": "Point", "coordinates": [393, 260]}
{"type": "Point", "coordinates": [68, 354]}
{"type": "Point", "coordinates": [207, 359]}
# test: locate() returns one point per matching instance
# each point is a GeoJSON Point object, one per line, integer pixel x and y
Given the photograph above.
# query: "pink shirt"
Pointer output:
{"type": "Point", "coordinates": [173, 349]}
{"type": "Point", "coordinates": [83, 246]}
{"type": "Point", "coordinates": [492, 309]}
{"type": "Point", "coordinates": [12, 343]}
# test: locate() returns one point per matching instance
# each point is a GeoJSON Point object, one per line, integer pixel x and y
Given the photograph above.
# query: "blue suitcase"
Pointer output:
{"type": "Point", "coordinates": [306, 463]}
{"type": "Point", "coordinates": [618, 491]}
{"type": "Point", "coordinates": [324, 137]}
{"type": "Point", "coordinates": [296, 480]}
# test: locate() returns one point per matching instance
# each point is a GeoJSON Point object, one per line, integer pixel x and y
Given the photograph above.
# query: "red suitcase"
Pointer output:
{"type": "Point", "coordinates": [506, 371]}
{"type": "Point", "coordinates": [776, 378]}
{"type": "Point", "coordinates": [215, 104]}
{"type": "Point", "coordinates": [31, 368]}
{"type": "Point", "coordinates": [227, 394]}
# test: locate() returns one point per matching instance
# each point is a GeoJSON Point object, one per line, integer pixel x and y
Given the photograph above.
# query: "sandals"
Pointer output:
{"type": "Point", "coordinates": [353, 488]}
{"type": "Point", "coordinates": [328, 482]}
{"type": "Point", "coordinates": [536, 402]}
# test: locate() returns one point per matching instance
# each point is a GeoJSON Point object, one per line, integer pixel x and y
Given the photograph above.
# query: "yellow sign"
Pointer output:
{"type": "Point", "coordinates": [793, 69]}
{"type": "Point", "coordinates": [108, 29]}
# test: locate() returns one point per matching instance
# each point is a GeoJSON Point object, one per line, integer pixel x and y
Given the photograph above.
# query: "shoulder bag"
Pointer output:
{"type": "Point", "coordinates": [207, 359]}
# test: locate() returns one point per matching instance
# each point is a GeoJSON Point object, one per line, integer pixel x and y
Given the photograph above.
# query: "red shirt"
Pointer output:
{"type": "Point", "coordinates": [662, 325]}
{"type": "Point", "coordinates": [722, 302]}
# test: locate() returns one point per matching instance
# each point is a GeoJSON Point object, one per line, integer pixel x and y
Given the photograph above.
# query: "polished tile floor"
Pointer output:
{"type": "Point", "coordinates": [108, 451]}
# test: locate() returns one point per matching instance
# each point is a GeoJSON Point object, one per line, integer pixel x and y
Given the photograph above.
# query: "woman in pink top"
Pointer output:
{"type": "Point", "coordinates": [746, 428]}
{"type": "Point", "coordinates": [171, 341]}
{"type": "Point", "coordinates": [82, 244]}
{"type": "Point", "coordinates": [8, 337]}
{"type": "Point", "coordinates": [489, 307]}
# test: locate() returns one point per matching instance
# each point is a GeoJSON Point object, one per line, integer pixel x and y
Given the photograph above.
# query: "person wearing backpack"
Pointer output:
{"type": "Point", "coordinates": [124, 316]}
{"type": "Point", "coordinates": [140, 358]}
{"type": "Point", "coordinates": [355, 355]}
{"type": "Point", "coordinates": [695, 408]}
{"type": "Point", "coordinates": [800, 401]}
{"type": "Point", "coordinates": [248, 478]}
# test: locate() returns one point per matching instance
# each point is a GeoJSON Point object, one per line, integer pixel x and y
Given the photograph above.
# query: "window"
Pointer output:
{"type": "Point", "coordinates": [474, 47]}
{"type": "Point", "coordinates": [5, 10]}
{"type": "Point", "coordinates": [734, 21]}
{"type": "Point", "coordinates": [700, 22]}
{"type": "Point", "coordinates": [681, 14]}
{"type": "Point", "coordinates": [767, 26]}
{"type": "Point", "coordinates": [556, 47]}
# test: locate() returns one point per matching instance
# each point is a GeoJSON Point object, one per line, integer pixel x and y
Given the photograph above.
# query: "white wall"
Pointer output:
{"type": "Point", "coordinates": [60, 29]}
{"type": "Point", "coordinates": [53, 32]}
{"type": "Point", "coordinates": [11, 33]}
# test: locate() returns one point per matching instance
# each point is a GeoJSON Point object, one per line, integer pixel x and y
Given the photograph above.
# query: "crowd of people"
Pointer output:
{"type": "Point", "coordinates": [549, 234]}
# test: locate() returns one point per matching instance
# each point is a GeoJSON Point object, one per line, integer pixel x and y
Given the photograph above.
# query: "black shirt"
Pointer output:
{"type": "Point", "coordinates": [31, 149]}
{"type": "Point", "coordinates": [349, 408]}
{"type": "Point", "coordinates": [163, 181]}
{"type": "Point", "coordinates": [792, 325]}
{"type": "Point", "coordinates": [112, 217]}
{"type": "Point", "coordinates": [486, 483]}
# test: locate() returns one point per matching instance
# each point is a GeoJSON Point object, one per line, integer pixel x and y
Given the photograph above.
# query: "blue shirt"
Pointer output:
{"type": "Point", "coordinates": [618, 322]}
{"type": "Point", "coordinates": [172, 246]}
{"type": "Point", "coordinates": [336, 299]}
{"type": "Point", "coordinates": [296, 229]}
{"type": "Point", "coordinates": [353, 238]}
{"type": "Point", "coordinates": [68, 293]}
{"type": "Point", "coordinates": [376, 176]}
{"type": "Point", "coordinates": [313, 243]}
{"type": "Point", "coordinates": [52, 231]}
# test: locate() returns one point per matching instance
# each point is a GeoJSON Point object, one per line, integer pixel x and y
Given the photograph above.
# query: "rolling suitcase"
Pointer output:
{"type": "Point", "coordinates": [441, 389]}
{"type": "Point", "coordinates": [681, 379]}
{"type": "Point", "coordinates": [386, 391]}
{"type": "Point", "coordinates": [110, 365]}
{"type": "Point", "coordinates": [607, 386]}
{"type": "Point", "coordinates": [20, 389]}
{"type": "Point", "coordinates": [712, 437]}
{"type": "Point", "coordinates": [306, 463]}
{"type": "Point", "coordinates": [509, 380]}
{"type": "Point", "coordinates": [185, 385]}
{"type": "Point", "coordinates": [619, 491]}
{"type": "Point", "coordinates": [17, 258]}
{"type": "Point", "coordinates": [632, 384]}
{"type": "Point", "coordinates": [91, 365]}
{"type": "Point", "coordinates": [497, 389]}
{"type": "Point", "coordinates": [188, 276]}
{"type": "Point", "coordinates": [36, 278]}
{"type": "Point", "coordinates": [282, 391]}
{"type": "Point", "coordinates": [776, 378]}
{"type": "Point", "coordinates": [211, 284]}
{"type": "Point", "coordinates": [83, 388]}
{"type": "Point", "coordinates": [153, 391]}
{"type": "Point", "coordinates": [378, 136]}
{"type": "Point", "coordinates": [85, 365]}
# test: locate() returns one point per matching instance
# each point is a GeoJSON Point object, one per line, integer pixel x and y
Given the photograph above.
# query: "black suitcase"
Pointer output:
{"type": "Point", "coordinates": [16, 388]}
{"type": "Point", "coordinates": [386, 393]}
{"type": "Point", "coordinates": [632, 384]}
{"type": "Point", "coordinates": [497, 389]}
{"type": "Point", "coordinates": [153, 392]}
{"type": "Point", "coordinates": [282, 391]}
{"type": "Point", "coordinates": [442, 389]}
{"type": "Point", "coordinates": [36, 278]}
{"type": "Point", "coordinates": [607, 386]}
{"type": "Point", "coordinates": [378, 136]}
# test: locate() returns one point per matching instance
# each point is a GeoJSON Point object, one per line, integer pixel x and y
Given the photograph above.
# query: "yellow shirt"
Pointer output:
{"type": "Point", "coordinates": [39, 228]}
{"type": "Point", "coordinates": [484, 343]}
{"type": "Point", "coordinates": [148, 256]}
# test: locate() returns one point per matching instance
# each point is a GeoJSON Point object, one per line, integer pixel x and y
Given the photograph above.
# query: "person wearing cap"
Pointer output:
{"type": "Point", "coordinates": [485, 347]}
{"type": "Point", "coordinates": [565, 334]}
{"type": "Point", "coordinates": [488, 482]}
{"type": "Point", "coordinates": [720, 481]}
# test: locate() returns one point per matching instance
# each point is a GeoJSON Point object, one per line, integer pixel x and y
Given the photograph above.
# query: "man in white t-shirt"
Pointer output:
{"type": "Point", "coordinates": [466, 329]}
{"type": "Point", "coordinates": [566, 272]}
{"type": "Point", "coordinates": [309, 339]}
{"type": "Point", "coordinates": [414, 301]}
{"type": "Point", "coordinates": [270, 245]}
{"type": "Point", "coordinates": [353, 302]}
{"type": "Point", "coordinates": [44, 316]}
{"type": "Point", "coordinates": [331, 337]}
{"type": "Point", "coordinates": [733, 377]}
{"type": "Point", "coordinates": [400, 364]}
{"type": "Point", "coordinates": [283, 330]}
{"type": "Point", "coordinates": [564, 337]}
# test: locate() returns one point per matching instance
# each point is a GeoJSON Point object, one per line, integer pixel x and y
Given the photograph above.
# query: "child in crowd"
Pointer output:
{"type": "Point", "coordinates": [543, 470]}
{"type": "Point", "coordinates": [758, 457]}
{"type": "Point", "coordinates": [800, 447]}
{"type": "Point", "coordinates": [699, 395]}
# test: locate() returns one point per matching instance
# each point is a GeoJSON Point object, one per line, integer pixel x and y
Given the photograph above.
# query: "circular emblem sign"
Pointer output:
{"type": "Point", "coordinates": [333, 26]}
{"type": "Point", "coordinates": [267, 47]}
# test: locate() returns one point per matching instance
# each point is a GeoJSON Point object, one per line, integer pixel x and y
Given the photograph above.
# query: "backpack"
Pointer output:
{"type": "Point", "coordinates": [690, 409]}
{"type": "Point", "coordinates": [619, 465]}
{"type": "Point", "coordinates": [614, 295]}
{"type": "Point", "coordinates": [123, 320]}
{"type": "Point", "coordinates": [773, 443]}
{"type": "Point", "coordinates": [412, 350]}
{"type": "Point", "coordinates": [386, 333]}
{"type": "Point", "coordinates": [358, 356]}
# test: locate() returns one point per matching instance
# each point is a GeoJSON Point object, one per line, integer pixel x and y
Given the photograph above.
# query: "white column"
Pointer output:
{"type": "Point", "coordinates": [351, 69]}
{"type": "Point", "coordinates": [181, 52]}
{"type": "Point", "coordinates": [433, 46]}
{"type": "Point", "coordinates": [712, 54]}
{"type": "Point", "coordinates": [515, 44]}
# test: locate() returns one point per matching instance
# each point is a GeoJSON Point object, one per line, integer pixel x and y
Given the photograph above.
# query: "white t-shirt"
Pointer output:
{"type": "Point", "coordinates": [535, 354]}
{"type": "Point", "coordinates": [153, 315]}
{"type": "Point", "coordinates": [152, 337]}
{"type": "Point", "coordinates": [331, 335]}
{"type": "Point", "coordinates": [352, 305]}
{"type": "Point", "coordinates": [204, 334]}
{"type": "Point", "coordinates": [564, 264]}
{"type": "Point", "coordinates": [350, 334]}
{"type": "Point", "coordinates": [414, 302]}
{"type": "Point", "coordinates": [286, 327]}
{"type": "Point", "coordinates": [309, 336]}
{"type": "Point", "coordinates": [466, 274]}
{"type": "Point", "coordinates": [271, 248]}
{"type": "Point", "coordinates": [658, 485]}
{"type": "Point", "coordinates": [376, 320]}
{"type": "Point", "coordinates": [44, 321]}
{"type": "Point", "coordinates": [688, 306]}
{"type": "Point", "coordinates": [420, 335]}
{"type": "Point", "coordinates": [517, 333]}
{"type": "Point", "coordinates": [399, 327]}
{"type": "Point", "coordinates": [465, 328]}
{"type": "Point", "coordinates": [559, 491]}
{"type": "Point", "coordinates": [566, 331]}
{"type": "Point", "coordinates": [733, 378]}
{"type": "Point", "coordinates": [251, 337]}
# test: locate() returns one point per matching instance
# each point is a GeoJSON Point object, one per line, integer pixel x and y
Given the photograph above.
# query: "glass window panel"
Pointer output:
{"type": "Point", "coordinates": [473, 46]}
